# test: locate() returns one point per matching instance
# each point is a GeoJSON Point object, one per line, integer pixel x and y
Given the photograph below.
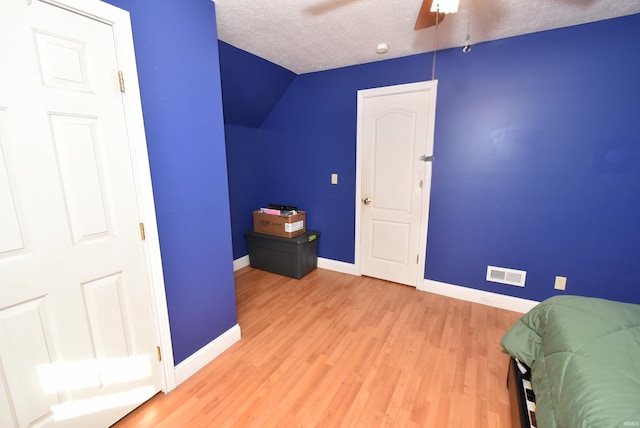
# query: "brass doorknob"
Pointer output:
{"type": "Point", "coordinates": [366, 201]}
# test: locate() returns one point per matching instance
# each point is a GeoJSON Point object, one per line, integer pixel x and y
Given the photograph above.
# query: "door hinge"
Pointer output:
{"type": "Point", "coordinates": [417, 258]}
{"type": "Point", "coordinates": [121, 80]}
{"type": "Point", "coordinates": [142, 235]}
{"type": "Point", "coordinates": [159, 354]}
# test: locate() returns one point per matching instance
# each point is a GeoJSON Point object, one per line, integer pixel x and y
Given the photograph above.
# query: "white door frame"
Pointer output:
{"type": "Point", "coordinates": [431, 85]}
{"type": "Point", "coordinates": [120, 21]}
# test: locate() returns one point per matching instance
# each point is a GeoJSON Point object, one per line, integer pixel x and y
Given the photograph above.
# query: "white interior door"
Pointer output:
{"type": "Point", "coordinates": [395, 140]}
{"type": "Point", "coordinates": [77, 340]}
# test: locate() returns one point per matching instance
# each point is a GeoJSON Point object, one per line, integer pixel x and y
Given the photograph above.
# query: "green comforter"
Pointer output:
{"type": "Point", "coordinates": [584, 355]}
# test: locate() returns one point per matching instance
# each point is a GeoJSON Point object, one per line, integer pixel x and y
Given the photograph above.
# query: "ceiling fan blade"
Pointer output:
{"type": "Point", "coordinates": [426, 18]}
{"type": "Point", "coordinates": [326, 6]}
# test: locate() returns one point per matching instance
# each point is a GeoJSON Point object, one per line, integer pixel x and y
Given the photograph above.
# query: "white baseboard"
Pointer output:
{"type": "Point", "coordinates": [334, 265]}
{"type": "Point", "coordinates": [240, 263]}
{"type": "Point", "coordinates": [488, 298]}
{"type": "Point", "coordinates": [206, 354]}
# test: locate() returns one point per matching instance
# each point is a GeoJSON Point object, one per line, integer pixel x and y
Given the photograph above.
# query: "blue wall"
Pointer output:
{"type": "Point", "coordinates": [537, 164]}
{"type": "Point", "coordinates": [251, 87]}
{"type": "Point", "coordinates": [244, 160]}
{"type": "Point", "coordinates": [178, 67]}
{"type": "Point", "coordinates": [249, 92]}
{"type": "Point", "coordinates": [312, 133]}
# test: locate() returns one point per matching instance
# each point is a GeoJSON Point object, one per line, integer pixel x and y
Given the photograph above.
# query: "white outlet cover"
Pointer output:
{"type": "Point", "coordinates": [561, 283]}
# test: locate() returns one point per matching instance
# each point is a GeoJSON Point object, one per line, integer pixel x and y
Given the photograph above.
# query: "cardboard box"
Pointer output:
{"type": "Point", "coordinates": [280, 225]}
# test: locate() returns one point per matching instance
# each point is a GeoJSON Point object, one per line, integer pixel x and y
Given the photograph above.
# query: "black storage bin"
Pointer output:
{"type": "Point", "coordinates": [294, 257]}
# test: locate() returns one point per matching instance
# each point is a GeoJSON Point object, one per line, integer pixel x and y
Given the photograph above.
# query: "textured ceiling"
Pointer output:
{"type": "Point", "coordinates": [313, 35]}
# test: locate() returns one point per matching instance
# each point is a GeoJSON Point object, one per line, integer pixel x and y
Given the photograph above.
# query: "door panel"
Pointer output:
{"type": "Point", "coordinates": [80, 169]}
{"type": "Point", "coordinates": [394, 236]}
{"type": "Point", "coordinates": [25, 345]}
{"type": "Point", "coordinates": [392, 152]}
{"type": "Point", "coordinates": [395, 132]}
{"type": "Point", "coordinates": [62, 62]}
{"type": "Point", "coordinates": [11, 208]}
{"type": "Point", "coordinates": [76, 327]}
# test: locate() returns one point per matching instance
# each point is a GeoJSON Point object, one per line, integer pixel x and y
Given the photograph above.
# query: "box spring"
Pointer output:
{"type": "Point", "coordinates": [521, 396]}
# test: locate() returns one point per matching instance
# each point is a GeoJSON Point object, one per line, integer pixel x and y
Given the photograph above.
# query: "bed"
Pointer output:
{"type": "Point", "coordinates": [580, 356]}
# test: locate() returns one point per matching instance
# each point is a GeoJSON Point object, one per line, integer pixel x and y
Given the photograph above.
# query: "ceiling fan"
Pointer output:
{"type": "Point", "coordinates": [432, 12]}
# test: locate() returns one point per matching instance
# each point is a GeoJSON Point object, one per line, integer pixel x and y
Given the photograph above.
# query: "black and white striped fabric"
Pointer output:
{"type": "Point", "coordinates": [529, 396]}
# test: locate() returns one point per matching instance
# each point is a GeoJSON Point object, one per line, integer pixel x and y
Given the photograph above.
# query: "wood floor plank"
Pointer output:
{"type": "Point", "coordinates": [333, 350]}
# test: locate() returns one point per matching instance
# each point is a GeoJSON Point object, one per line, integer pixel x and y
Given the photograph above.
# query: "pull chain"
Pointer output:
{"type": "Point", "coordinates": [435, 45]}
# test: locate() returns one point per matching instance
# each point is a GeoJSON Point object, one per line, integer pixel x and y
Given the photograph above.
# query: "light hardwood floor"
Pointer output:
{"type": "Point", "coordinates": [335, 350]}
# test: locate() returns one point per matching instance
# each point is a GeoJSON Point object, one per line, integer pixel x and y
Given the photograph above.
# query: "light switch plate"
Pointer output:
{"type": "Point", "coordinates": [334, 178]}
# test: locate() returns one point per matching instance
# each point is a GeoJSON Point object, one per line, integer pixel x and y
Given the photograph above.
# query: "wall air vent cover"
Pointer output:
{"type": "Point", "coordinates": [506, 276]}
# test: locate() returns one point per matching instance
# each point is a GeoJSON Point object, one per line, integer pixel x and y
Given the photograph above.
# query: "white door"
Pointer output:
{"type": "Point", "coordinates": [77, 341]}
{"type": "Point", "coordinates": [395, 145]}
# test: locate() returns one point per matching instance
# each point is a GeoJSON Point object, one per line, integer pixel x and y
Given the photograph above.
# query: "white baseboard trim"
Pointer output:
{"type": "Point", "coordinates": [488, 298]}
{"type": "Point", "coordinates": [241, 262]}
{"type": "Point", "coordinates": [334, 265]}
{"type": "Point", "coordinates": [206, 354]}
{"type": "Point", "coordinates": [343, 267]}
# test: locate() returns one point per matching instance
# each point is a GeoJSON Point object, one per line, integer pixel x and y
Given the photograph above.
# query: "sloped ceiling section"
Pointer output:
{"type": "Point", "coordinates": [312, 35]}
{"type": "Point", "coordinates": [251, 86]}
